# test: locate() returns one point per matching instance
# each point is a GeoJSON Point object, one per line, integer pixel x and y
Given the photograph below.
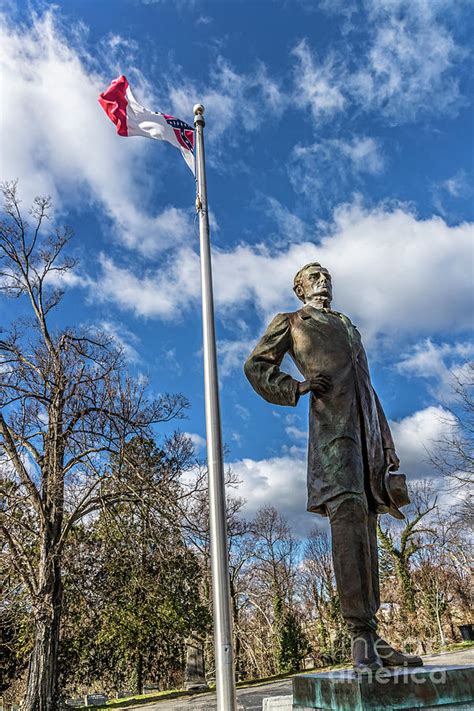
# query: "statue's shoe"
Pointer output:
{"type": "Point", "coordinates": [364, 655]}
{"type": "Point", "coordinates": [392, 658]}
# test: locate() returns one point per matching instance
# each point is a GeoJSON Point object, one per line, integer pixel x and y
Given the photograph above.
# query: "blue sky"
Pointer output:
{"type": "Point", "coordinates": [336, 131]}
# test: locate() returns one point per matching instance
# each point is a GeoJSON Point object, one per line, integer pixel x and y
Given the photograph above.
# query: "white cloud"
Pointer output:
{"type": "Point", "coordinates": [416, 437]}
{"type": "Point", "coordinates": [169, 361]}
{"type": "Point", "coordinates": [396, 274]}
{"type": "Point", "coordinates": [393, 274]}
{"type": "Point", "coordinates": [117, 43]}
{"type": "Point", "coordinates": [198, 441]}
{"type": "Point", "coordinates": [63, 144]}
{"type": "Point", "coordinates": [296, 433]}
{"type": "Point", "coordinates": [204, 20]}
{"type": "Point", "coordinates": [457, 185]}
{"type": "Point", "coordinates": [410, 61]}
{"type": "Point", "coordinates": [278, 482]}
{"type": "Point", "coordinates": [232, 355]}
{"type": "Point", "coordinates": [408, 68]}
{"type": "Point", "coordinates": [364, 154]}
{"type": "Point", "coordinates": [317, 84]}
{"type": "Point", "coordinates": [235, 103]}
{"type": "Point", "coordinates": [153, 293]}
{"type": "Point", "coordinates": [442, 365]}
{"type": "Point", "coordinates": [347, 8]}
{"type": "Point", "coordinates": [242, 411]}
{"type": "Point", "coordinates": [291, 228]}
{"type": "Point", "coordinates": [453, 188]}
{"type": "Point", "coordinates": [237, 438]}
{"type": "Point", "coordinates": [323, 169]}
{"type": "Point", "coordinates": [123, 337]}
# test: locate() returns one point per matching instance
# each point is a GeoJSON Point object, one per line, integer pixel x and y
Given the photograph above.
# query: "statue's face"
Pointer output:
{"type": "Point", "coordinates": [316, 284]}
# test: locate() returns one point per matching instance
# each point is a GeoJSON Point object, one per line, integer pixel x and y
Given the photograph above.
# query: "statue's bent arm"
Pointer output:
{"type": "Point", "coordinates": [262, 368]}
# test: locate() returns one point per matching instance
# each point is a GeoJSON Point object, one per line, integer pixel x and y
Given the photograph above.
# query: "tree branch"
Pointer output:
{"type": "Point", "coordinates": [19, 558]}
{"type": "Point", "coordinates": [12, 453]}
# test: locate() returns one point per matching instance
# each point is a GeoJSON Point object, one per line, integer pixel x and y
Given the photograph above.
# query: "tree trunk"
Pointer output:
{"type": "Point", "coordinates": [42, 684]}
{"type": "Point", "coordinates": [138, 674]}
{"type": "Point", "coordinates": [277, 630]}
{"type": "Point", "coordinates": [442, 638]}
{"type": "Point", "coordinates": [406, 583]}
{"type": "Point", "coordinates": [235, 620]}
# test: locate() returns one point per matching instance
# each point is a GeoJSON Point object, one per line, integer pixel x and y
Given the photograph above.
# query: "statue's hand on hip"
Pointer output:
{"type": "Point", "coordinates": [391, 459]}
{"type": "Point", "coordinates": [319, 385]}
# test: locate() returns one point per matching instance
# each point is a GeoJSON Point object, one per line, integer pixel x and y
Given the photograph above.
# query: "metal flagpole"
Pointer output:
{"type": "Point", "coordinates": [225, 679]}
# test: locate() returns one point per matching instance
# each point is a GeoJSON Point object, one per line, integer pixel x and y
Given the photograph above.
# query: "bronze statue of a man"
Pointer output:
{"type": "Point", "coordinates": [350, 447]}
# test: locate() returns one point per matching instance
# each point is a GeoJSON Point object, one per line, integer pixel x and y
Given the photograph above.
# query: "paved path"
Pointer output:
{"type": "Point", "coordinates": [250, 699]}
{"type": "Point", "coordinates": [462, 656]}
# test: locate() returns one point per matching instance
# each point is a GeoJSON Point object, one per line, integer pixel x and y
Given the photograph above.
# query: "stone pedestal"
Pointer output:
{"type": "Point", "coordinates": [195, 678]}
{"type": "Point", "coordinates": [398, 689]}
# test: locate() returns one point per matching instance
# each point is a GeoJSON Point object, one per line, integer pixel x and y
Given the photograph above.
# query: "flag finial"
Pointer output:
{"type": "Point", "coordinates": [198, 110]}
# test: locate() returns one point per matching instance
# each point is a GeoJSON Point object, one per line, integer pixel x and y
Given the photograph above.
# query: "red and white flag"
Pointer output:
{"type": "Point", "coordinates": [132, 119]}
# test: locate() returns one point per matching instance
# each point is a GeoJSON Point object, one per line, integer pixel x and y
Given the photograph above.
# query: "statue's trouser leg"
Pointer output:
{"type": "Point", "coordinates": [354, 550]}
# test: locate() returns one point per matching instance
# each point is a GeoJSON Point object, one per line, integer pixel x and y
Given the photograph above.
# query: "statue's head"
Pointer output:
{"type": "Point", "coordinates": [313, 283]}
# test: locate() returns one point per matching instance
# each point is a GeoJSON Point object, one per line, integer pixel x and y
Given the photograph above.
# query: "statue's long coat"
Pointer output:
{"type": "Point", "coordinates": [348, 430]}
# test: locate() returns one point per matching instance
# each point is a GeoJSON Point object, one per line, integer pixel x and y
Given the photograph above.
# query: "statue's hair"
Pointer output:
{"type": "Point", "coordinates": [299, 277]}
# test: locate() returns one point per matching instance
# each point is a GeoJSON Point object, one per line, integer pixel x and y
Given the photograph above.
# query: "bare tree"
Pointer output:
{"type": "Point", "coordinates": [410, 539]}
{"type": "Point", "coordinates": [329, 635]}
{"type": "Point", "coordinates": [443, 576]}
{"type": "Point", "coordinates": [275, 554]}
{"type": "Point", "coordinates": [453, 455]}
{"type": "Point", "coordinates": [66, 406]}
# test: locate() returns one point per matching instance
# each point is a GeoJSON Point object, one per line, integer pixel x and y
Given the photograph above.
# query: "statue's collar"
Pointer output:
{"type": "Point", "coordinates": [309, 310]}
